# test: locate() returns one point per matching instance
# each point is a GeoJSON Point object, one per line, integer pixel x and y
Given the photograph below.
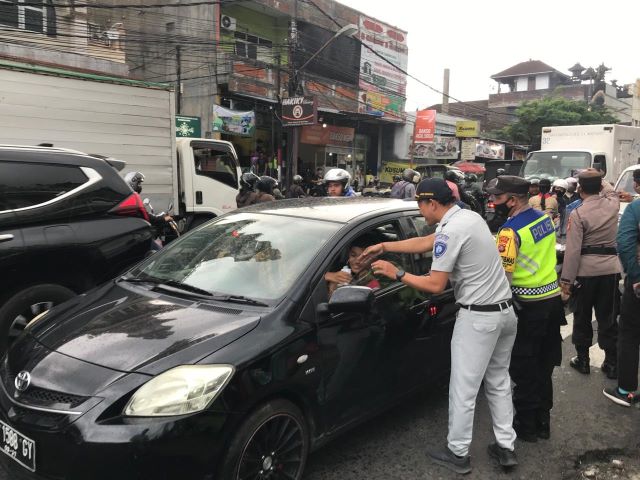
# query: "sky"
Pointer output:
{"type": "Point", "coordinates": [477, 39]}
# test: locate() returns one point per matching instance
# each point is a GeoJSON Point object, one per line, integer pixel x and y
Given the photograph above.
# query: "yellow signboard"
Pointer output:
{"type": "Point", "coordinates": [389, 169]}
{"type": "Point", "coordinates": [467, 128]}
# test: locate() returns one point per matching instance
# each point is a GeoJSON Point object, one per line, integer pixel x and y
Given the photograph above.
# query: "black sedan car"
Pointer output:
{"type": "Point", "coordinates": [227, 355]}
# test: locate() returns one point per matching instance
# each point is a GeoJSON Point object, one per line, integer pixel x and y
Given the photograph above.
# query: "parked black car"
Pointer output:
{"type": "Point", "coordinates": [67, 223]}
{"type": "Point", "coordinates": [222, 356]}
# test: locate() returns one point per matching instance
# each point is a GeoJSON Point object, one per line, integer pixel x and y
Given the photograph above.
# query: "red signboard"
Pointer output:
{"type": "Point", "coordinates": [331, 135]}
{"type": "Point", "coordinates": [425, 128]}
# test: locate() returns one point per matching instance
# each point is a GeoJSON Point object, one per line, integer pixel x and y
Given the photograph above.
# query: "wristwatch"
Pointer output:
{"type": "Point", "coordinates": [399, 275]}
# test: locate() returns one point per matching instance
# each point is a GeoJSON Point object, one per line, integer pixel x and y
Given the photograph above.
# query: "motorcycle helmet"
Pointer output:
{"type": "Point", "coordinates": [266, 184]}
{"type": "Point", "coordinates": [134, 180]}
{"type": "Point", "coordinates": [248, 180]}
{"type": "Point", "coordinates": [338, 175]}
{"type": "Point", "coordinates": [297, 179]}
{"type": "Point", "coordinates": [560, 183]}
{"type": "Point", "coordinates": [455, 176]}
{"type": "Point", "coordinates": [500, 172]}
{"type": "Point", "coordinates": [397, 178]}
{"type": "Point", "coordinates": [471, 178]}
{"type": "Point", "coordinates": [410, 175]}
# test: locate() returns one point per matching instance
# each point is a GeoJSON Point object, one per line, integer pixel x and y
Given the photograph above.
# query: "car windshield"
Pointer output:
{"type": "Point", "coordinates": [625, 183]}
{"type": "Point", "coordinates": [252, 255]}
{"type": "Point", "coordinates": [553, 165]}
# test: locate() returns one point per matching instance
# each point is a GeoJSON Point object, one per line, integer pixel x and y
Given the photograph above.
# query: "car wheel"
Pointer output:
{"type": "Point", "coordinates": [23, 306]}
{"type": "Point", "coordinates": [272, 443]}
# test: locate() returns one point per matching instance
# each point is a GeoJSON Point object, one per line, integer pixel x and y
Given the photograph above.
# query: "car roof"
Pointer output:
{"type": "Point", "coordinates": [39, 154]}
{"type": "Point", "coordinates": [333, 209]}
{"type": "Point", "coordinates": [631, 168]}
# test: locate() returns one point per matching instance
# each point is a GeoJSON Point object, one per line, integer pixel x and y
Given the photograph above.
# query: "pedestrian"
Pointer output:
{"type": "Point", "coordinates": [464, 253]}
{"type": "Point", "coordinates": [544, 201]}
{"type": "Point", "coordinates": [628, 241]}
{"type": "Point", "coordinates": [337, 182]}
{"type": "Point", "coordinates": [591, 270]}
{"type": "Point", "coordinates": [527, 245]}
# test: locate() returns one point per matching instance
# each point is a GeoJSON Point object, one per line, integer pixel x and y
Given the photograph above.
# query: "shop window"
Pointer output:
{"type": "Point", "coordinates": [32, 15]}
{"type": "Point", "coordinates": [253, 47]}
{"type": "Point", "coordinates": [216, 164]}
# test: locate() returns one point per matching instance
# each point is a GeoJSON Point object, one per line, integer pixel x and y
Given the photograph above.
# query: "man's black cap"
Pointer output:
{"type": "Point", "coordinates": [434, 189]}
{"type": "Point", "coordinates": [590, 178]}
{"type": "Point", "coordinates": [509, 184]}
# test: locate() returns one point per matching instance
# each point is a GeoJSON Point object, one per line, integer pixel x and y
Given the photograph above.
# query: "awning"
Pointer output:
{"type": "Point", "coordinates": [469, 167]}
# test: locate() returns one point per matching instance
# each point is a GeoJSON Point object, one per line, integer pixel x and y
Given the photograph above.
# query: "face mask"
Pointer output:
{"type": "Point", "coordinates": [502, 209]}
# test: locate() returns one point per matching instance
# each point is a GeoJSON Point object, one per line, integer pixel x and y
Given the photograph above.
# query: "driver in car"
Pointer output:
{"type": "Point", "coordinates": [357, 271]}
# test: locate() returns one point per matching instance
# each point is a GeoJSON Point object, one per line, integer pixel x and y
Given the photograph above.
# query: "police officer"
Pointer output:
{"type": "Point", "coordinates": [543, 200]}
{"type": "Point", "coordinates": [591, 270]}
{"type": "Point", "coordinates": [464, 252]}
{"type": "Point", "coordinates": [527, 245]}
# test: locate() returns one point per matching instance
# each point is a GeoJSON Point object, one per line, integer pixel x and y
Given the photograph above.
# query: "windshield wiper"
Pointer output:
{"type": "Point", "coordinates": [167, 284]}
{"type": "Point", "coordinates": [239, 299]}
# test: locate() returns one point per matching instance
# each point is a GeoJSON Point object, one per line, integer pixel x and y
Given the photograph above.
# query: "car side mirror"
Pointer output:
{"type": "Point", "coordinates": [349, 299]}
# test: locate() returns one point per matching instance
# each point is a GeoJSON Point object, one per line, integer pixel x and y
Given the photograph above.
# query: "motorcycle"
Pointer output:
{"type": "Point", "coordinates": [164, 230]}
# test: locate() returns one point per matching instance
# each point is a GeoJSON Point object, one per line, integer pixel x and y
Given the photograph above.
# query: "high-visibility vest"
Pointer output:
{"type": "Point", "coordinates": [534, 269]}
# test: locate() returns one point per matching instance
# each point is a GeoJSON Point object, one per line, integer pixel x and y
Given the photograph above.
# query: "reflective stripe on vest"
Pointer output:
{"type": "Point", "coordinates": [535, 277]}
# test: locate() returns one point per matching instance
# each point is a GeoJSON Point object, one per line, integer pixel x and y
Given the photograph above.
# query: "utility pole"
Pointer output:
{"type": "Point", "coordinates": [178, 80]}
{"type": "Point", "coordinates": [294, 137]}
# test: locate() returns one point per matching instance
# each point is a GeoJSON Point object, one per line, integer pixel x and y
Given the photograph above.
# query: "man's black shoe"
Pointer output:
{"type": "Point", "coordinates": [581, 364]}
{"type": "Point", "coordinates": [609, 369]}
{"type": "Point", "coordinates": [505, 457]}
{"type": "Point", "coordinates": [448, 459]}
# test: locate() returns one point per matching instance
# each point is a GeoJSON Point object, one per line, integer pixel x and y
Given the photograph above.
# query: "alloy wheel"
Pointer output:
{"type": "Point", "coordinates": [21, 320]}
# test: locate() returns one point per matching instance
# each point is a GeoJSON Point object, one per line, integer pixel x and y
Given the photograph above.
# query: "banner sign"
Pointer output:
{"type": "Point", "coordinates": [331, 135]}
{"type": "Point", "coordinates": [486, 149]}
{"type": "Point", "coordinates": [442, 148]}
{"type": "Point", "coordinates": [389, 169]}
{"type": "Point", "coordinates": [188, 126]}
{"type": "Point", "coordinates": [298, 111]}
{"type": "Point", "coordinates": [467, 129]}
{"type": "Point", "coordinates": [425, 127]}
{"type": "Point", "coordinates": [233, 122]}
{"type": "Point", "coordinates": [468, 150]}
{"type": "Point", "coordinates": [379, 77]}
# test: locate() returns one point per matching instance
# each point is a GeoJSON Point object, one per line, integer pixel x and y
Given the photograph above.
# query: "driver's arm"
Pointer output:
{"type": "Point", "coordinates": [411, 245]}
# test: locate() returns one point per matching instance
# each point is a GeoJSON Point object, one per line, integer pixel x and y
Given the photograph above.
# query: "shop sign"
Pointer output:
{"type": "Point", "coordinates": [382, 105]}
{"type": "Point", "coordinates": [468, 150]}
{"type": "Point", "coordinates": [486, 149]}
{"type": "Point", "coordinates": [442, 148]}
{"type": "Point", "coordinates": [188, 126]}
{"type": "Point", "coordinates": [467, 128]}
{"type": "Point", "coordinates": [233, 122]}
{"type": "Point", "coordinates": [425, 127]}
{"type": "Point", "coordinates": [389, 169]}
{"type": "Point", "coordinates": [331, 135]}
{"type": "Point", "coordinates": [298, 111]}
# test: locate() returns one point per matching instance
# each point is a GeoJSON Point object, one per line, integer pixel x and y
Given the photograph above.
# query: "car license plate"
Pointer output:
{"type": "Point", "coordinates": [18, 447]}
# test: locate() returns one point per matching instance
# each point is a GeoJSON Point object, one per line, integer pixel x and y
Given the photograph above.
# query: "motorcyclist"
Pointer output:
{"type": "Point", "coordinates": [472, 188]}
{"type": "Point", "coordinates": [264, 187]}
{"type": "Point", "coordinates": [157, 220]}
{"type": "Point", "coordinates": [406, 188]}
{"type": "Point", "coordinates": [456, 177]}
{"type": "Point", "coordinates": [337, 182]}
{"type": "Point", "coordinates": [296, 190]}
{"type": "Point", "coordinates": [247, 195]}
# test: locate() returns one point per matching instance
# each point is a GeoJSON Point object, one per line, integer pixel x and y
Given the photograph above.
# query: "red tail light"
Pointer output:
{"type": "Point", "coordinates": [131, 206]}
{"type": "Point", "coordinates": [491, 205]}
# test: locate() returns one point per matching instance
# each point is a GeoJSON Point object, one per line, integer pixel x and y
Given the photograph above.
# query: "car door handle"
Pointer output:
{"type": "Point", "coordinates": [6, 238]}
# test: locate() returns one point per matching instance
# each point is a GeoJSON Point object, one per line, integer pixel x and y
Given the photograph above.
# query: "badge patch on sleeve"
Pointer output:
{"type": "Point", "coordinates": [439, 248]}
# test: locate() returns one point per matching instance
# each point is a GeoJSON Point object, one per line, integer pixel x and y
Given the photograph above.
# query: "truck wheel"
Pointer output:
{"type": "Point", "coordinates": [24, 305]}
{"type": "Point", "coordinates": [272, 443]}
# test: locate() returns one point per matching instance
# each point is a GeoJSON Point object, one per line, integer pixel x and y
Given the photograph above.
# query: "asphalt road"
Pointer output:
{"type": "Point", "coordinates": [588, 431]}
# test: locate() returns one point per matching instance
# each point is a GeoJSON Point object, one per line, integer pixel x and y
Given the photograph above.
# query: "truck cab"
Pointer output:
{"type": "Point", "coordinates": [208, 179]}
{"type": "Point", "coordinates": [554, 164]}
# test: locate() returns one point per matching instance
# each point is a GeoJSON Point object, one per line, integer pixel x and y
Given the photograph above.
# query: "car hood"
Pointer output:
{"type": "Point", "coordinates": [132, 330]}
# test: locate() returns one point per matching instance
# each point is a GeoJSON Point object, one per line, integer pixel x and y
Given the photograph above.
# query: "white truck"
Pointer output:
{"type": "Point", "coordinates": [565, 150]}
{"type": "Point", "coordinates": [128, 120]}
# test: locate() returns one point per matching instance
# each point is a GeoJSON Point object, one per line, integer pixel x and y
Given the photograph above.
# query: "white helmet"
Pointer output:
{"type": "Point", "coordinates": [560, 183]}
{"type": "Point", "coordinates": [571, 180]}
{"type": "Point", "coordinates": [338, 175]}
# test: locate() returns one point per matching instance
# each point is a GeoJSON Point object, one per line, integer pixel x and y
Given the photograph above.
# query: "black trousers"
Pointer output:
{"type": "Point", "coordinates": [601, 294]}
{"type": "Point", "coordinates": [629, 340]}
{"type": "Point", "coordinates": [536, 351]}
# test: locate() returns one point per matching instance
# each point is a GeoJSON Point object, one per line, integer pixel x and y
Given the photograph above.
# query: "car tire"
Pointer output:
{"type": "Point", "coordinates": [22, 306]}
{"type": "Point", "coordinates": [272, 442]}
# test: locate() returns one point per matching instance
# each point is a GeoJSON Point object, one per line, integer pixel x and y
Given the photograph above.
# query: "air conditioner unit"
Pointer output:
{"type": "Point", "coordinates": [227, 22]}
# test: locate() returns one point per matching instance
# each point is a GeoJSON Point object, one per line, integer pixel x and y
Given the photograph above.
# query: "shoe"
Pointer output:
{"type": "Point", "coordinates": [448, 459]}
{"type": "Point", "coordinates": [626, 400]}
{"type": "Point", "coordinates": [505, 457]}
{"type": "Point", "coordinates": [526, 434]}
{"type": "Point", "coordinates": [581, 364]}
{"type": "Point", "coordinates": [610, 370]}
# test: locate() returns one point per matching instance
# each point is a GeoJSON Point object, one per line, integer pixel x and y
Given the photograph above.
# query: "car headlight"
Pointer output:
{"type": "Point", "coordinates": [179, 391]}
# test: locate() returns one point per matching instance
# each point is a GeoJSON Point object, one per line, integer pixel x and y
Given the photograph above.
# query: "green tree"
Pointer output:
{"type": "Point", "coordinates": [552, 112]}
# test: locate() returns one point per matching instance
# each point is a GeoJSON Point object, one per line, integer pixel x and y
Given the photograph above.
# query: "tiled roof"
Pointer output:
{"type": "Point", "coordinates": [527, 68]}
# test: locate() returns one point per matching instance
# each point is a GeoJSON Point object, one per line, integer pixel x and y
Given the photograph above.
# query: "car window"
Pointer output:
{"type": "Point", "coordinates": [362, 274]}
{"type": "Point", "coordinates": [28, 184]}
{"type": "Point", "coordinates": [216, 164]}
{"type": "Point", "coordinates": [422, 229]}
{"type": "Point", "coordinates": [259, 256]}
{"type": "Point", "coordinates": [625, 184]}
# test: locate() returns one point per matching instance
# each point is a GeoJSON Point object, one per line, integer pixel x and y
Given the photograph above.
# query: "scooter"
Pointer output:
{"type": "Point", "coordinates": [162, 229]}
